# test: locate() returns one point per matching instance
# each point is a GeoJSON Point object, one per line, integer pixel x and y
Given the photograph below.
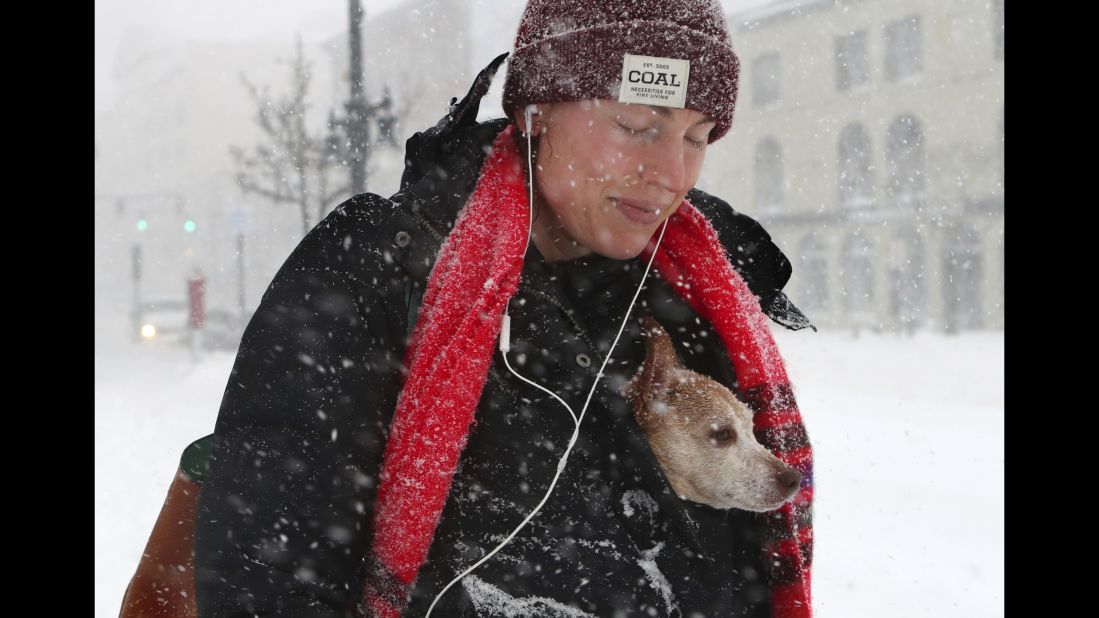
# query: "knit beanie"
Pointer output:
{"type": "Point", "coordinates": [572, 50]}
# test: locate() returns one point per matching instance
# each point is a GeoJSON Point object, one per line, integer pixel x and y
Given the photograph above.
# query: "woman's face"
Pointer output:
{"type": "Point", "coordinates": [611, 173]}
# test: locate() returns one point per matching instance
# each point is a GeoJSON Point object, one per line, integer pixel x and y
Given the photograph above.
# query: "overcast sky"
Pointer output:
{"type": "Point", "coordinates": [236, 20]}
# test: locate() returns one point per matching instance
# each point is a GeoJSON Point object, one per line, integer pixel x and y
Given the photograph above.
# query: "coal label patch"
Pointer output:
{"type": "Point", "coordinates": [654, 81]}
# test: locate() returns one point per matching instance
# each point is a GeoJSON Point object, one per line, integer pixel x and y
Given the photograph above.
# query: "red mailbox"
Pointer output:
{"type": "Point", "coordinates": [196, 295]}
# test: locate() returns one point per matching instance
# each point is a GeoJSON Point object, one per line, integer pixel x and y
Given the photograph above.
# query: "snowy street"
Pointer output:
{"type": "Point", "coordinates": [901, 429]}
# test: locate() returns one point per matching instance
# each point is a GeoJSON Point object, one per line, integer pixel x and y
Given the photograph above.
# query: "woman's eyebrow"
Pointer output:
{"type": "Point", "coordinates": [664, 111]}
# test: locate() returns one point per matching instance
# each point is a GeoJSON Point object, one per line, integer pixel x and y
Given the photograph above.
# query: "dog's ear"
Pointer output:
{"type": "Point", "coordinates": [656, 374]}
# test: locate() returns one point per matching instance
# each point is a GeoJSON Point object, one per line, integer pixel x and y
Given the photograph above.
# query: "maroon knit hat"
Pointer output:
{"type": "Point", "coordinates": [571, 50]}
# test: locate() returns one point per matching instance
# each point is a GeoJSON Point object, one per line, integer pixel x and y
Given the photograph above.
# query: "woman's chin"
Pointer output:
{"type": "Point", "coordinates": [620, 251]}
{"type": "Point", "coordinates": [621, 244]}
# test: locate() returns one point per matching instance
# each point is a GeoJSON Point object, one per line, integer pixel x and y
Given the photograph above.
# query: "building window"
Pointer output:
{"type": "Point", "coordinates": [857, 280]}
{"type": "Point", "coordinates": [998, 27]}
{"type": "Point", "coordinates": [1000, 286]}
{"type": "Point", "coordinates": [768, 175]}
{"type": "Point", "coordinates": [812, 274]}
{"type": "Point", "coordinates": [904, 155]}
{"type": "Point", "coordinates": [766, 78]}
{"type": "Point", "coordinates": [962, 276]}
{"type": "Point", "coordinates": [905, 269]}
{"type": "Point", "coordinates": [856, 181]}
{"type": "Point", "coordinates": [902, 48]}
{"type": "Point", "coordinates": [852, 61]}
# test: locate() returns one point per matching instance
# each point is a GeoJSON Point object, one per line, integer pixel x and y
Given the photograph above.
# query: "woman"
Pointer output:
{"type": "Point", "coordinates": [373, 442]}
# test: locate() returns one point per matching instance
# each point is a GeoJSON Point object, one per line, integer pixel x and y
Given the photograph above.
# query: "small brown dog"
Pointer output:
{"type": "Point", "coordinates": [701, 434]}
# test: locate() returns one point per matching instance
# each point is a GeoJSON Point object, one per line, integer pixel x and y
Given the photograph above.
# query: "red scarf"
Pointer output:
{"type": "Point", "coordinates": [453, 343]}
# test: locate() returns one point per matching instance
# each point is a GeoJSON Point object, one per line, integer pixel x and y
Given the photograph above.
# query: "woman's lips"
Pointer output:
{"type": "Point", "coordinates": [639, 212]}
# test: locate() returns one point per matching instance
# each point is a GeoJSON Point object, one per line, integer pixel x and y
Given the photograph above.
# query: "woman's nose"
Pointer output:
{"type": "Point", "coordinates": [664, 167]}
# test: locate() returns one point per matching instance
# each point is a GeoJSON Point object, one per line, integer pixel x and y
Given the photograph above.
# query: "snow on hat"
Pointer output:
{"type": "Point", "coordinates": [571, 50]}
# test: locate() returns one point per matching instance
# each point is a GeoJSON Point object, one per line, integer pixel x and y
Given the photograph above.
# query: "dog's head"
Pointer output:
{"type": "Point", "coordinates": [702, 434]}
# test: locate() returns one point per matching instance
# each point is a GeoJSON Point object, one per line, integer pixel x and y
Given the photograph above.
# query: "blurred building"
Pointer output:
{"type": "Point", "coordinates": [869, 140]}
{"type": "Point", "coordinates": [163, 158]}
{"type": "Point", "coordinates": [163, 147]}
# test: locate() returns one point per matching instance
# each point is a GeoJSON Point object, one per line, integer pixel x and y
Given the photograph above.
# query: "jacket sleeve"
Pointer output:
{"type": "Point", "coordinates": [284, 512]}
{"type": "Point", "coordinates": [755, 256]}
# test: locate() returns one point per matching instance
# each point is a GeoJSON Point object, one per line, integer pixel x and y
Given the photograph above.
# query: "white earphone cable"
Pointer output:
{"type": "Point", "coordinates": [505, 346]}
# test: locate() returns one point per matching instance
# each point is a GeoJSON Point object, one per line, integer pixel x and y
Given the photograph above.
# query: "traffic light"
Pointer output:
{"type": "Point", "coordinates": [142, 224]}
{"type": "Point", "coordinates": [189, 226]}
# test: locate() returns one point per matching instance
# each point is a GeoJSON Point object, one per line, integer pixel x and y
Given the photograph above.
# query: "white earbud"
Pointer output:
{"type": "Point", "coordinates": [505, 328]}
{"type": "Point", "coordinates": [530, 109]}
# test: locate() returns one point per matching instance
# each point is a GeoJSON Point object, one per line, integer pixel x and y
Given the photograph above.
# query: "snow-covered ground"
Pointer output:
{"type": "Point", "coordinates": [908, 436]}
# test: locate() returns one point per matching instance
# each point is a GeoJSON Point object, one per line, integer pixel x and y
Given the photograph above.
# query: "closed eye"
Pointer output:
{"type": "Point", "coordinates": [632, 132]}
{"type": "Point", "coordinates": [696, 144]}
{"type": "Point", "coordinates": [638, 133]}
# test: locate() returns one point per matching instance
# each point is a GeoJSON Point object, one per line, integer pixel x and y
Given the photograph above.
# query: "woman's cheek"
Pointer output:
{"type": "Point", "coordinates": [606, 155]}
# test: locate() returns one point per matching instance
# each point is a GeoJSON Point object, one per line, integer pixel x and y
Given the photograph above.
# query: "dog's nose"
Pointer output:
{"type": "Point", "coordinates": [789, 478]}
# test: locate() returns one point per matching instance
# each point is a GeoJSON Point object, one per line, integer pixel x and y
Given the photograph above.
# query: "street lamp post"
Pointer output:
{"type": "Point", "coordinates": [240, 275]}
{"type": "Point", "coordinates": [240, 224]}
{"type": "Point", "coordinates": [356, 105]}
{"type": "Point", "coordinates": [349, 135]}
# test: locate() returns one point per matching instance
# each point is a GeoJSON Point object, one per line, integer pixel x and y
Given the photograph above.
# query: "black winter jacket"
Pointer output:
{"type": "Point", "coordinates": [284, 518]}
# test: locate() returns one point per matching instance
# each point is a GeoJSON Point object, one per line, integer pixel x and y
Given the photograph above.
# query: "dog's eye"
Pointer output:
{"type": "Point", "coordinates": [723, 436]}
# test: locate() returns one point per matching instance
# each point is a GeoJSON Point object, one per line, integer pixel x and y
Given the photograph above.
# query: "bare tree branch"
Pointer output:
{"type": "Point", "coordinates": [291, 165]}
{"type": "Point", "coordinates": [275, 197]}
